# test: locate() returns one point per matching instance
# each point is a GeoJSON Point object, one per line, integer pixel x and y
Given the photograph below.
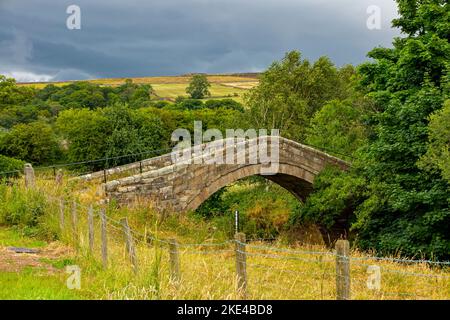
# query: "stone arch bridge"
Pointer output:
{"type": "Point", "coordinates": [182, 185]}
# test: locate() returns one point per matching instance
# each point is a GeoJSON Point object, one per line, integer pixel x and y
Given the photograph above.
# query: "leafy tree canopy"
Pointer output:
{"type": "Point", "coordinates": [404, 207]}
{"type": "Point", "coordinates": [292, 90]}
{"type": "Point", "coordinates": [198, 87]}
{"type": "Point", "coordinates": [438, 151]}
{"type": "Point", "coordinates": [34, 142]}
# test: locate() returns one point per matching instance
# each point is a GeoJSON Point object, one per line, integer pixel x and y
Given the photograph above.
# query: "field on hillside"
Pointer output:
{"type": "Point", "coordinates": [206, 256]}
{"type": "Point", "coordinates": [170, 87]}
{"type": "Point", "coordinates": [173, 90]}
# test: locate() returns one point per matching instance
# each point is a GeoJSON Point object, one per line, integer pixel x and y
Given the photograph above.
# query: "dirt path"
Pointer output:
{"type": "Point", "coordinates": [11, 261]}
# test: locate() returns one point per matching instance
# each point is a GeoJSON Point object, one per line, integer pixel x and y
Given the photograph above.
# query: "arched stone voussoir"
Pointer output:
{"type": "Point", "coordinates": [186, 185]}
{"type": "Point", "coordinates": [299, 174]}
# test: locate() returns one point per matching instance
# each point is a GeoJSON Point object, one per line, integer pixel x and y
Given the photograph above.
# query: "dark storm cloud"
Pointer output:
{"type": "Point", "coordinates": [166, 37]}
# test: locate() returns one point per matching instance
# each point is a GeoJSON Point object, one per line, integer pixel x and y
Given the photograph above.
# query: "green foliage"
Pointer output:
{"type": "Point", "coordinates": [111, 132]}
{"type": "Point", "coordinates": [25, 210]}
{"type": "Point", "coordinates": [264, 207]}
{"type": "Point", "coordinates": [224, 104]}
{"type": "Point", "coordinates": [291, 91]}
{"type": "Point", "coordinates": [16, 104]}
{"type": "Point", "coordinates": [160, 104]}
{"type": "Point", "coordinates": [12, 115]}
{"type": "Point", "coordinates": [78, 95]}
{"type": "Point", "coordinates": [85, 132]}
{"type": "Point", "coordinates": [10, 164]}
{"type": "Point", "coordinates": [337, 127]}
{"type": "Point", "coordinates": [438, 151]}
{"type": "Point", "coordinates": [198, 87]}
{"type": "Point", "coordinates": [398, 206]}
{"type": "Point", "coordinates": [134, 95]}
{"type": "Point", "coordinates": [189, 104]}
{"type": "Point", "coordinates": [94, 122]}
{"type": "Point", "coordinates": [34, 142]}
{"type": "Point", "coordinates": [195, 104]}
{"type": "Point", "coordinates": [133, 132]}
{"type": "Point", "coordinates": [83, 94]}
{"type": "Point", "coordinates": [336, 195]}
{"type": "Point", "coordinates": [11, 94]}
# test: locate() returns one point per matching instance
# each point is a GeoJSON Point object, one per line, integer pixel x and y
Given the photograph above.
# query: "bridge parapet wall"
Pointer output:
{"type": "Point", "coordinates": [185, 185]}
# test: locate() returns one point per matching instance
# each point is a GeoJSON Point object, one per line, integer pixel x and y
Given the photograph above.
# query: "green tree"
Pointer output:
{"type": "Point", "coordinates": [403, 208]}
{"type": "Point", "coordinates": [111, 133]}
{"type": "Point", "coordinates": [224, 103]}
{"type": "Point", "coordinates": [438, 152]}
{"type": "Point", "coordinates": [34, 142]}
{"type": "Point", "coordinates": [12, 115]}
{"type": "Point", "coordinates": [407, 207]}
{"type": "Point", "coordinates": [291, 91]}
{"type": "Point", "coordinates": [11, 94]}
{"type": "Point", "coordinates": [132, 132]}
{"type": "Point", "coordinates": [198, 87]}
{"type": "Point", "coordinates": [336, 196]}
{"type": "Point", "coordinates": [8, 164]}
{"type": "Point", "coordinates": [135, 95]}
{"type": "Point", "coordinates": [85, 133]}
{"type": "Point", "coordinates": [338, 128]}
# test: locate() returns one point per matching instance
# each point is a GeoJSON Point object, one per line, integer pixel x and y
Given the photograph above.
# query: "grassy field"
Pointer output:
{"type": "Point", "coordinates": [32, 276]}
{"type": "Point", "coordinates": [208, 272]}
{"type": "Point", "coordinates": [33, 284]}
{"type": "Point", "coordinates": [217, 90]}
{"type": "Point", "coordinates": [170, 87]}
{"type": "Point", "coordinates": [275, 270]}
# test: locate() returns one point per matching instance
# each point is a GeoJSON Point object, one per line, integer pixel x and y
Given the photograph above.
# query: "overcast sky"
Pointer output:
{"type": "Point", "coordinates": [130, 38]}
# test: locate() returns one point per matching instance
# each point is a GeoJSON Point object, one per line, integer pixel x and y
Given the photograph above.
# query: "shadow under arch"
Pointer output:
{"type": "Point", "coordinates": [297, 180]}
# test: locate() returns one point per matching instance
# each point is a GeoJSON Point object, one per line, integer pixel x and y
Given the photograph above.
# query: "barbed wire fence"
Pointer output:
{"type": "Point", "coordinates": [247, 270]}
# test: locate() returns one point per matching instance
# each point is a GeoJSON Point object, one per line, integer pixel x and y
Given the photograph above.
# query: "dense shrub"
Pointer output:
{"type": "Point", "coordinates": [25, 209]}
{"type": "Point", "coordinates": [35, 142]}
{"type": "Point", "coordinates": [10, 165]}
{"type": "Point", "coordinates": [264, 207]}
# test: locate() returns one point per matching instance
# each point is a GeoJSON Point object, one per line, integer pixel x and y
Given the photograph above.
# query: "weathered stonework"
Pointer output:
{"type": "Point", "coordinates": [184, 187]}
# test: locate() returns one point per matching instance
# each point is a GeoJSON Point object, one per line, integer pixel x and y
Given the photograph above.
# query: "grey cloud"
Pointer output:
{"type": "Point", "coordinates": [167, 37]}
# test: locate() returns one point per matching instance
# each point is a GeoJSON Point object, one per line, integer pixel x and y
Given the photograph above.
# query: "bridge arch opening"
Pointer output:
{"type": "Point", "coordinates": [296, 180]}
{"type": "Point", "coordinates": [181, 187]}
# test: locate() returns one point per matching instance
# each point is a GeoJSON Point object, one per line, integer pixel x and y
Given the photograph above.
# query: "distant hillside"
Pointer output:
{"type": "Point", "coordinates": [213, 78]}
{"type": "Point", "coordinates": [170, 87]}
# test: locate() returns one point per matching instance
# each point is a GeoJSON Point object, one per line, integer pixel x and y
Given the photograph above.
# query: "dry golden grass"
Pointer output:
{"type": "Point", "coordinates": [207, 260]}
{"type": "Point", "coordinates": [172, 80]}
{"type": "Point", "coordinates": [209, 273]}
{"type": "Point", "coordinates": [241, 85]}
{"type": "Point", "coordinates": [179, 89]}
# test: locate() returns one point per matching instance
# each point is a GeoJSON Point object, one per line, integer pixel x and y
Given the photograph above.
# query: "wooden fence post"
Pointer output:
{"type": "Point", "coordinates": [61, 215]}
{"type": "Point", "coordinates": [342, 270]}
{"type": "Point", "coordinates": [104, 238]}
{"type": "Point", "coordinates": [59, 177]}
{"type": "Point", "coordinates": [130, 244]}
{"type": "Point", "coordinates": [91, 228]}
{"type": "Point", "coordinates": [174, 260]}
{"type": "Point", "coordinates": [29, 176]}
{"type": "Point", "coordinates": [241, 262]}
{"type": "Point", "coordinates": [75, 223]}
